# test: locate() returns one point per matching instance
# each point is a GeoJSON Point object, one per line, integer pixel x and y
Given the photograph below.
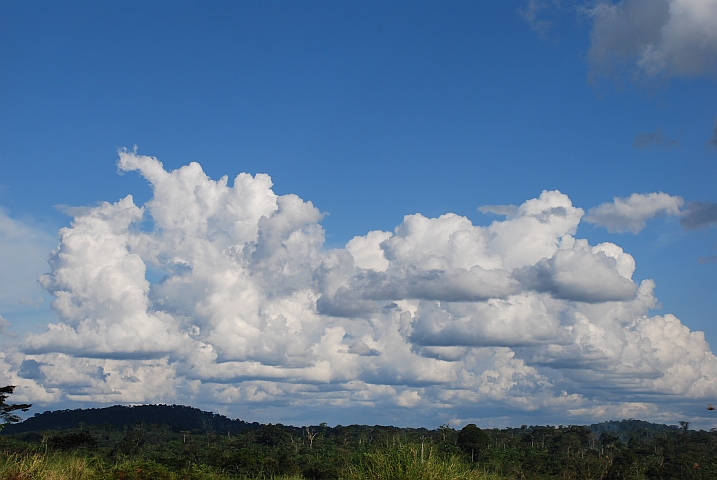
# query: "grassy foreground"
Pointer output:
{"type": "Point", "coordinates": [68, 466]}
{"type": "Point", "coordinates": [412, 462]}
{"type": "Point", "coordinates": [403, 462]}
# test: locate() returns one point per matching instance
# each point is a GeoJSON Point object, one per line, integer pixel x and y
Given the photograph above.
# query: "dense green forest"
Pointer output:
{"type": "Point", "coordinates": [178, 442]}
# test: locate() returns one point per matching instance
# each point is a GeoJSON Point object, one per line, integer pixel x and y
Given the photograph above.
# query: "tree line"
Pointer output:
{"type": "Point", "coordinates": [628, 449]}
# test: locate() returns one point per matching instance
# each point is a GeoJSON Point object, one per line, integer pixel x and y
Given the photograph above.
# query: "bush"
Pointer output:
{"type": "Point", "coordinates": [405, 462]}
{"type": "Point", "coordinates": [142, 470]}
{"type": "Point", "coordinates": [71, 441]}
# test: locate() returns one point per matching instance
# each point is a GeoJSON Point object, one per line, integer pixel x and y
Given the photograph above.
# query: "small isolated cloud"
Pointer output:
{"type": "Point", "coordinates": [72, 211]}
{"type": "Point", "coordinates": [506, 210]}
{"type": "Point", "coordinates": [654, 38]}
{"type": "Point", "coordinates": [31, 301]}
{"type": "Point", "coordinates": [438, 318]}
{"type": "Point", "coordinates": [631, 214]}
{"type": "Point", "coordinates": [712, 142]}
{"type": "Point", "coordinates": [531, 14]}
{"type": "Point", "coordinates": [710, 259]}
{"type": "Point", "coordinates": [4, 325]}
{"type": "Point", "coordinates": [656, 138]}
{"type": "Point", "coordinates": [699, 214]}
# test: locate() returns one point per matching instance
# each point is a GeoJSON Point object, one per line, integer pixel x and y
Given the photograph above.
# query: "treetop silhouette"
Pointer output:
{"type": "Point", "coordinates": [6, 409]}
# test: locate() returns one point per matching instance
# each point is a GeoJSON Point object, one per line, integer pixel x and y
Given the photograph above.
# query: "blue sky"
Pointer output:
{"type": "Point", "coordinates": [371, 111]}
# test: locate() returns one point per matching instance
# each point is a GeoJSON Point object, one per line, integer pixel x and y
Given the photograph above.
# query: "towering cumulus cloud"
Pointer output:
{"type": "Point", "coordinates": [248, 310]}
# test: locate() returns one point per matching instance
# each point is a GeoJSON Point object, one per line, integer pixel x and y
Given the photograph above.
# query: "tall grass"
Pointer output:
{"type": "Point", "coordinates": [66, 466]}
{"type": "Point", "coordinates": [397, 462]}
{"type": "Point", "coordinates": [52, 466]}
{"type": "Point", "coordinates": [412, 462]}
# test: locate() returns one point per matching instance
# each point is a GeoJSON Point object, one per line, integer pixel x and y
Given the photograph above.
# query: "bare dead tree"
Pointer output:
{"type": "Point", "coordinates": [311, 434]}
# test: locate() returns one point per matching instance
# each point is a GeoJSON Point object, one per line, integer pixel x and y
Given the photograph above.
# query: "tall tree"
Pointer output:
{"type": "Point", "coordinates": [472, 439]}
{"type": "Point", "coordinates": [6, 409]}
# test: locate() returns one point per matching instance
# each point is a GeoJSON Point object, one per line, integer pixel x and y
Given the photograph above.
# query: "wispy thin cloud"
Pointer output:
{"type": "Point", "coordinates": [24, 249]}
{"type": "Point", "coordinates": [657, 138]}
{"type": "Point", "coordinates": [531, 13]}
{"type": "Point", "coordinates": [506, 210]}
{"type": "Point", "coordinates": [712, 142]}
{"type": "Point", "coordinates": [710, 259]}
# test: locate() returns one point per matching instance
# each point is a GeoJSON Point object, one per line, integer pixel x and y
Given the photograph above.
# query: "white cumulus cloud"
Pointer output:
{"type": "Point", "coordinates": [439, 318]}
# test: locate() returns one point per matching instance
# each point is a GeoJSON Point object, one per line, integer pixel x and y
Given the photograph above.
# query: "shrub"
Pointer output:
{"type": "Point", "coordinates": [405, 462]}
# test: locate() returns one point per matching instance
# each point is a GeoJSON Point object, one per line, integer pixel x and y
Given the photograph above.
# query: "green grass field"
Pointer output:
{"type": "Point", "coordinates": [403, 462]}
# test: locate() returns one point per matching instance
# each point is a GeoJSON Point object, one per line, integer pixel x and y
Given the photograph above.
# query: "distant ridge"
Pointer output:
{"type": "Point", "coordinates": [184, 418]}
{"type": "Point", "coordinates": [178, 417]}
{"type": "Point", "coordinates": [624, 429]}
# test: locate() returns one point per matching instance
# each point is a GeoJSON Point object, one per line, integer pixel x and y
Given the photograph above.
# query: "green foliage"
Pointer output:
{"type": "Point", "coordinates": [473, 440]}
{"type": "Point", "coordinates": [72, 441]}
{"type": "Point", "coordinates": [142, 470]}
{"type": "Point", "coordinates": [623, 429]}
{"type": "Point", "coordinates": [410, 462]}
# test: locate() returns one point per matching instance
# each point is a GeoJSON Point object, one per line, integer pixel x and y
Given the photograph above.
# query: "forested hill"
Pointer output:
{"type": "Point", "coordinates": [178, 417]}
{"type": "Point", "coordinates": [631, 428]}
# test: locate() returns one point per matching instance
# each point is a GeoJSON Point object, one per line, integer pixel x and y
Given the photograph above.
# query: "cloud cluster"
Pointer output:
{"type": "Point", "coordinates": [654, 38]}
{"type": "Point", "coordinates": [441, 316]}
